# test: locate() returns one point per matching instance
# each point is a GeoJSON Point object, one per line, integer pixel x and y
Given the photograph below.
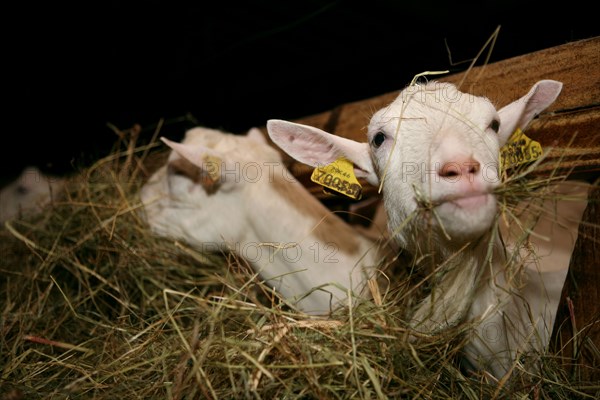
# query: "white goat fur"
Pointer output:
{"type": "Point", "coordinates": [259, 210]}
{"type": "Point", "coordinates": [29, 193]}
{"type": "Point", "coordinates": [435, 150]}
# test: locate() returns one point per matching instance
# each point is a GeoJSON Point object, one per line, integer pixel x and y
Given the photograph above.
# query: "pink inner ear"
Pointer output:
{"type": "Point", "coordinates": [315, 147]}
{"type": "Point", "coordinates": [540, 97]}
{"type": "Point", "coordinates": [306, 144]}
{"type": "Point", "coordinates": [519, 113]}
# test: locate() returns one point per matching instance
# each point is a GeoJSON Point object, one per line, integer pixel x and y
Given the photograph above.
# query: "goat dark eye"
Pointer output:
{"type": "Point", "coordinates": [494, 125]}
{"type": "Point", "coordinates": [22, 190]}
{"type": "Point", "coordinates": [378, 139]}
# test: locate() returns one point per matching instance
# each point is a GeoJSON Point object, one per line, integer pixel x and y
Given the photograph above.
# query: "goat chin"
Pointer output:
{"type": "Point", "coordinates": [467, 218]}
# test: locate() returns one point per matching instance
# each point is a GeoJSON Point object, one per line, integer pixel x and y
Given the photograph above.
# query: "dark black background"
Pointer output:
{"type": "Point", "coordinates": [72, 68]}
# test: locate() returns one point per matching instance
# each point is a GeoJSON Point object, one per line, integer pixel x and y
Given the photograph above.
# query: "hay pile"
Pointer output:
{"type": "Point", "coordinates": [93, 306]}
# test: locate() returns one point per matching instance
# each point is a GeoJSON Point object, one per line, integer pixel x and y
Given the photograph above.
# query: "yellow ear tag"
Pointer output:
{"type": "Point", "coordinates": [519, 149]}
{"type": "Point", "coordinates": [211, 165]}
{"type": "Point", "coordinates": [338, 177]}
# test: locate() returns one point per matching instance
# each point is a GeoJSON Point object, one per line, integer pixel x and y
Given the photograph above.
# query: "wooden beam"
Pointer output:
{"type": "Point", "coordinates": [574, 64]}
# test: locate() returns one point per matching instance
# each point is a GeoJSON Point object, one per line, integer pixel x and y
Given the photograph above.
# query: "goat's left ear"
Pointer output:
{"type": "Point", "coordinates": [520, 112]}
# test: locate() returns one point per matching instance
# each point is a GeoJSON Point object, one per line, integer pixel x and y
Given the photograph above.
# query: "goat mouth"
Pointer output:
{"type": "Point", "coordinates": [469, 201]}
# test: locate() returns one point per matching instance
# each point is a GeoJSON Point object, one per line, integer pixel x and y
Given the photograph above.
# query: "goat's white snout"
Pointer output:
{"type": "Point", "coordinates": [461, 182]}
{"type": "Point", "coordinates": [461, 168]}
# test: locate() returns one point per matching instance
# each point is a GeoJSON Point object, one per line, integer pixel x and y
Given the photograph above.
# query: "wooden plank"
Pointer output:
{"type": "Point", "coordinates": [574, 64]}
{"type": "Point", "coordinates": [572, 142]}
{"type": "Point", "coordinates": [576, 336]}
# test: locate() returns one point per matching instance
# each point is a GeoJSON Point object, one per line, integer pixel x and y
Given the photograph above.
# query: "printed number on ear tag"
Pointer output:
{"type": "Point", "coordinates": [519, 149]}
{"type": "Point", "coordinates": [211, 165]}
{"type": "Point", "coordinates": [338, 177]}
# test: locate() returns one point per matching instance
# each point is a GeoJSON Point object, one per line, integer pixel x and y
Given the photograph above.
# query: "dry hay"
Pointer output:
{"type": "Point", "coordinates": [94, 306]}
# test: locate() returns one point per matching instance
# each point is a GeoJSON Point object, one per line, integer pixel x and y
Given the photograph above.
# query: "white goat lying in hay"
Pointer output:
{"type": "Point", "coordinates": [224, 192]}
{"type": "Point", "coordinates": [435, 151]}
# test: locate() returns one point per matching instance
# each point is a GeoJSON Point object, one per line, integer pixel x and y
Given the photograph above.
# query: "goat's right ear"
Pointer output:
{"type": "Point", "coordinates": [193, 154]}
{"type": "Point", "coordinates": [520, 112]}
{"type": "Point", "coordinates": [315, 147]}
{"type": "Point", "coordinates": [198, 163]}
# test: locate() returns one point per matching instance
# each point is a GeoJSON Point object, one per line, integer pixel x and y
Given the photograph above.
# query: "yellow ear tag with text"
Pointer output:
{"type": "Point", "coordinates": [338, 177]}
{"type": "Point", "coordinates": [211, 165]}
{"type": "Point", "coordinates": [519, 149]}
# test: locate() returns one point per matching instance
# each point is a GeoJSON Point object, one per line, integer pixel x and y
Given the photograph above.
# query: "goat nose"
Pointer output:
{"type": "Point", "coordinates": [460, 167]}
